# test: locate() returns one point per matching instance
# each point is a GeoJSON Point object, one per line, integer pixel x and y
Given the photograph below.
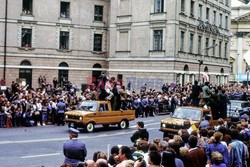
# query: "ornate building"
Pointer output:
{"type": "Point", "coordinates": [240, 42]}
{"type": "Point", "coordinates": [142, 41]}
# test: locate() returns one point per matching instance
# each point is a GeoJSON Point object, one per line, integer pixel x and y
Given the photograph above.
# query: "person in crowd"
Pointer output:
{"type": "Point", "coordinates": [74, 150]}
{"type": "Point", "coordinates": [61, 108]}
{"type": "Point", "coordinates": [237, 151]}
{"type": "Point", "coordinates": [144, 106]}
{"type": "Point", "coordinates": [217, 160]}
{"type": "Point", "coordinates": [206, 93]}
{"type": "Point", "coordinates": [195, 94]}
{"type": "Point", "coordinates": [205, 123]}
{"type": "Point", "coordinates": [216, 145]}
{"type": "Point", "coordinates": [125, 157]}
{"type": "Point", "coordinates": [197, 155]}
{"type": "Point", "coordinates": [140, 134]}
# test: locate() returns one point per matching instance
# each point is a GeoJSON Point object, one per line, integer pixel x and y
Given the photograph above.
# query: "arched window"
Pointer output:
{"type": "Point", "coordinates": [206, 69]}
{"type": "Point", "coordinates": [63, 74]}
{"type": "Point", "coordinates": [25, 63]}
{"type": "Point", "coordinates": [96, 73]}
{"type": "Point", "coordinates": [26, 73]}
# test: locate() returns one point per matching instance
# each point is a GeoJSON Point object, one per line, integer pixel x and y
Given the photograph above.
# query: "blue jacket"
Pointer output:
{"type": "Point", "coordinates": [61, 107]}
{"type": "Point", "coordinates": [74, 152]}
{"type": "Point", "coordinates": [221, 149]}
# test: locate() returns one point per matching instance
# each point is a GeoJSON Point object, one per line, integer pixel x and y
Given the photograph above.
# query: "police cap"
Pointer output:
{"type": "Point", "coordinates": [73, 131]}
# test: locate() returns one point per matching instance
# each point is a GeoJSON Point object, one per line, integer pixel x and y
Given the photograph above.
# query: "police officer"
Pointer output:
{"type": "Point", "coordinates": [61, 108]}
{"type": "Point", "coordinates": [74, 150]}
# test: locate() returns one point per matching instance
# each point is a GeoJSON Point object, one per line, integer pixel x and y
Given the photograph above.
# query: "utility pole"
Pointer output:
{"type": "Point", "coordinates": [5, 40]}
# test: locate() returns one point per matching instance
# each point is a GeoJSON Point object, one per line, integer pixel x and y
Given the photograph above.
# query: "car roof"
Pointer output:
{"type": "Point", "coordinates": [197, 108]}
{"type": "Point", "coordinates": [239, 101]}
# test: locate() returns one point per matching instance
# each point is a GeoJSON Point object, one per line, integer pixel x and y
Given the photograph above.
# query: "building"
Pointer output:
{"type": "Point", "coordinates": [142, 41]}
{"type": "Point", "coordinates": [240, 42]}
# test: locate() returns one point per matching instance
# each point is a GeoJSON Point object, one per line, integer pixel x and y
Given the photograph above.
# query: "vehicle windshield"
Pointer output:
{"type": "Point", "coordinates": [238, 105]}
{"type": "Point", "coordinates": [187, 113]}
{"type": "Point", "coordinates": [88, 106]}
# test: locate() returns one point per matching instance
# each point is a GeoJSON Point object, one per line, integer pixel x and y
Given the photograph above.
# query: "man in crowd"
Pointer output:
{"type": "Point", "coordinates": [141, 133]}
{"type": "Point", "coordinates": [74, 150]}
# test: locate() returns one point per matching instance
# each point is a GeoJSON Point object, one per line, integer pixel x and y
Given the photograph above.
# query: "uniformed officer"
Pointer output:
{"type": "Point", "coordinates": [74, 150]}
{"type": "Point", "coordinates": [61, 108]}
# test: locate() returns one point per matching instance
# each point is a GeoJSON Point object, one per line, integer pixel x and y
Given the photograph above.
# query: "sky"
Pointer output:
{"type": "Point", "coordinates": [235, 3]}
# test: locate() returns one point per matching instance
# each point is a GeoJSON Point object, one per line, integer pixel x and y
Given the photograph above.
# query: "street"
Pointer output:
{"type": "Point", "coordinates": [43, 146]}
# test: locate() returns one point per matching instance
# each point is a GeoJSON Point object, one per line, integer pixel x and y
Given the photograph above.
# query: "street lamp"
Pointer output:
{"type": "Point", "coordinates": [201, 60]}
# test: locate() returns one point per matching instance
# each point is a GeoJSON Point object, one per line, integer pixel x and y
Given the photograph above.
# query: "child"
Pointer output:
{"type": "Point", "coordinates": [217, 160]}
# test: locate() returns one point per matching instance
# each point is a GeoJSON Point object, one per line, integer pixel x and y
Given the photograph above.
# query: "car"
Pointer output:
{"type": "Point", "coordinates": [183, 118]}
{"type": "Point", "coordinates": [236, 108]}
{"type": "Point", "coordinates": [91, 113]}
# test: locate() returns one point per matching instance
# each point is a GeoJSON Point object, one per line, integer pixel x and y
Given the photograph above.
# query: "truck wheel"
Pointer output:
{"type": "Point", "coordinates": [89, 127]}
{"type": "Point", "coordinates": [123, 124]}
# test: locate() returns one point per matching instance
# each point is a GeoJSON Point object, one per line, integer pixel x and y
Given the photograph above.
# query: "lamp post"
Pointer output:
{"type": "Point", "coordinates": [201, 59]}
{"type": "Point", "coordinates": [5, 40]}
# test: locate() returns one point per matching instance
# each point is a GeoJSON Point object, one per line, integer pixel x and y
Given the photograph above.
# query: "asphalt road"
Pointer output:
{"type": "Point", "coordinates": [42, 146]}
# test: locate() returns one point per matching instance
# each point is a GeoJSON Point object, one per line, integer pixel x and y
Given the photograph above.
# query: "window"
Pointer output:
{"type": "Point", "coordinates": [225, 53]}
{"type": "Point", "coordinates": [158, 36]}
{"type": "Point", "coordinates": [231, 67]}
{"type": "Point", "coordinates": [97, 42]}
{"type": "Point", "coordinates": [200, 12]}
{"type": "Point", "coordinates": [227, 3]}
{"type": "Point", "coordinates": [64, 40]}
{"type": "Point", "coordinates": [220, 49]}
{"type": "Point", "coordinates": [199, 44]}
{"type": "Point", "coordinates": [182, 41]}
{"type": "Point", "coordinates": [191, 43]}
{"type": "Point", "coordinates": [220, 21]}
{"type": "Point", "coordinates": [214, 17]}
{"type": "Point", "coordinates": [207, 14]}
{"type": "Point", "coordinates": [26, 37]}
{"type": "Point", "coordinates": [27, 7]}
{"type": "Point", "coordinates": [182, 5]}
{"type": "Point", "coordinates": [192, 8]}
{"type": "Point", "coordinates": [226, 22]}
{"type": "Point", "coordinates": [214, 47]}
{"type": "Point", "coordinates": [65, 9]}
{"type": "Point", "coordinates": [207, 42]}
{"type": "Point", "coordinates": [98, 13]}
{"type": "Point", "coordinates": [158, 6]}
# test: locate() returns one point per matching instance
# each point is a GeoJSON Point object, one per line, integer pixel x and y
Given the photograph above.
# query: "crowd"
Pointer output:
{"type": "Point", "coordinates": [46, 104]}
{"type": "Point", "coordinates": [219, 146]}
{"type": "Point", "coordinates": [39, 106]}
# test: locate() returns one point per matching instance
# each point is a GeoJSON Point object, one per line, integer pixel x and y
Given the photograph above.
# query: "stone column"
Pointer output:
{"type": "Point", "coordinates": [239, 51]}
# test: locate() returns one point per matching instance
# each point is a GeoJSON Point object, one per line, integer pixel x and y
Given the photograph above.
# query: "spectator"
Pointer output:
{"type": "Point", "coordinates": [140, 134]}
{"type": "Point", "coordinates": [125, 157]}
{"type": "Point", "coordinates": [197, 155]}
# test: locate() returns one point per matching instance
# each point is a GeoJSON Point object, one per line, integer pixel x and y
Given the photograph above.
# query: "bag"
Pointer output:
{"type": "Point", "coordinates": [37, 113]}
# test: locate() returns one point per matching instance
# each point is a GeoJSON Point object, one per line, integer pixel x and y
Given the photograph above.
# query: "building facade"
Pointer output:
{"type": "Point", "coordinates": [240, 42]}
{"type": "Point", "coordinates": [142, 41]}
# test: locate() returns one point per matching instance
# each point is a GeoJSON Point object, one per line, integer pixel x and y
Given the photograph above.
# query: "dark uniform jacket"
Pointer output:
{"type": "Point", "coordinates": [74, 152]}
{"type": "Point", "coordinates": [140, 134]}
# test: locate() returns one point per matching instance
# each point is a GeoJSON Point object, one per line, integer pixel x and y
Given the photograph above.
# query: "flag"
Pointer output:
{"type": "Point", "coordinates": [192, 128]}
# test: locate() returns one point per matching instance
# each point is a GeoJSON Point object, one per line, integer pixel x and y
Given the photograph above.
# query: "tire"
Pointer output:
{"type": "Point", "coordinates": [90, 127]}
{"type": "Point", "coordinates": [105, 126]}
{"type": "Point", "coordinates": [123, 124]}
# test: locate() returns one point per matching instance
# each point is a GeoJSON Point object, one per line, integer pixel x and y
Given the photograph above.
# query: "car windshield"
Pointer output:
{"type": "Point", "coordinates": [238, 105]}
{"type": "Point", "coordinates": [88, 106]}
{"type": "Point", "coordinates": [187, 113]}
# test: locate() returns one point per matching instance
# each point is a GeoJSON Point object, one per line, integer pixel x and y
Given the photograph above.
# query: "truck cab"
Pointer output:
{"type": "Point", "coordinates": [91, 113]}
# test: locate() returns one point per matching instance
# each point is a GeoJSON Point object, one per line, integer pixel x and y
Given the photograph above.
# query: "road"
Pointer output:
{"type": "Point", "coordinates": [42, 146]}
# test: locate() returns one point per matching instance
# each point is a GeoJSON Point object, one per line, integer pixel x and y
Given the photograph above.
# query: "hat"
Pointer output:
{"type": "Point", "coordinates": [244, 116]}
{"type": "Point", "coordinates": [73, 131]}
